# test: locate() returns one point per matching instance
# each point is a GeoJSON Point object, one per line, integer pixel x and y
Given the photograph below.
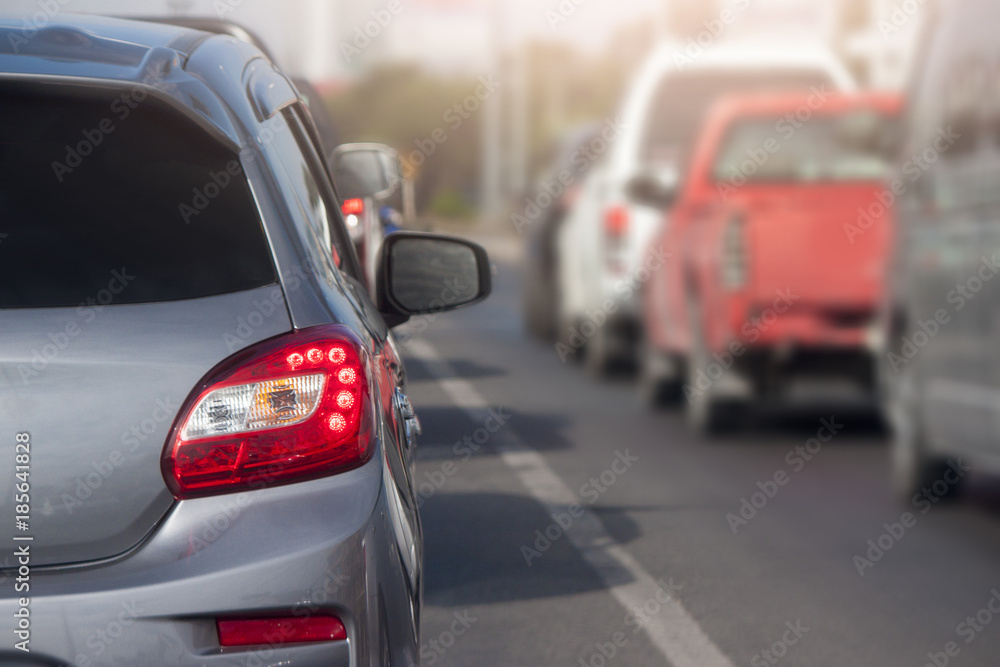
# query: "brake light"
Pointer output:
{"type": "Point", "coordinates": [294, 407]}
{"type": "Point", "coordinates": [616, 221]}
{"type": "Point", "coordinates": [278, 631]}
{"type": "Point", "coordinates": [353, 206]}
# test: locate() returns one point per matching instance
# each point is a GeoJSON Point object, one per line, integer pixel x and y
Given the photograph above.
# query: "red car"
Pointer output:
{"type": "Point", "coordinates": [779, 239]}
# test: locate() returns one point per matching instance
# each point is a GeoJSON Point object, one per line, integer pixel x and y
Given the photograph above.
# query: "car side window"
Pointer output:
{"type": "Point", "coordinates": [303, 175]}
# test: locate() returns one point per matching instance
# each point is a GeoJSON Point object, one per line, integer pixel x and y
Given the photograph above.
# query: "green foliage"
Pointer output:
{"type": "Point", "coordinates": [452, 205]}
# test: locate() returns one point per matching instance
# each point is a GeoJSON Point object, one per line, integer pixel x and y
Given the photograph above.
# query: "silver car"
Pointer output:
{"type": "Point", "coordinates": [207, 451]}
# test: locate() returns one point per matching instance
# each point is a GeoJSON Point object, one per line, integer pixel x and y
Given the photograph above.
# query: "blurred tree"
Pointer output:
{"type": "Point", "coordinates": [415, 113]}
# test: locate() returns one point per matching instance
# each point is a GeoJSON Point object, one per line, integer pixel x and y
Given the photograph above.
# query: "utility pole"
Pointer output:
{"type": "Point", "coordinates": [492, 127]}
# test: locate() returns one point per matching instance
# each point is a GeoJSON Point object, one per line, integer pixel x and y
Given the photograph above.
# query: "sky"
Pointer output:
{"type": "Point", "coordinates": [458, 24]}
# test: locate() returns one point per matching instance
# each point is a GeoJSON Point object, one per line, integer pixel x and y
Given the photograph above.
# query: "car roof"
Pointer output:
{"type": "Point", "coordinates": [199, 73]}
{"type": "Point", "coordinates": [749, 55]}
{"type": "Point", "coordinates": [216, 26]}
{"type": "Point", "coordinates": [733, 107]}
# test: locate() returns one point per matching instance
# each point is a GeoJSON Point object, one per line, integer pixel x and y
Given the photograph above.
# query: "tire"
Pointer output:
{"type": "Point", "coordinates": [707, 413]}
{"type": "Point", "coordinates": [564, 346]}
{"type": "Point", "coordinates": [659, 387]}
{"type": "Point", "coordinates": [598, 357]}
{"type": "Point", "coordinates": [913, 466]}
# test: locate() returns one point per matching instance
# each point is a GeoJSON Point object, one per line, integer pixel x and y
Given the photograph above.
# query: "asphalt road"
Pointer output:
{"type": "Point", "coordinates": [646, 568]}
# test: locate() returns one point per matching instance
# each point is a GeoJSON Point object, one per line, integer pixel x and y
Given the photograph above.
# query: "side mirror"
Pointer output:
{"type": "Point", "coordinates": [422, 274]}
{"type": "Point", "coordinates": [363, 171]}
{"type": "Point", "coordinates": [656, 188]}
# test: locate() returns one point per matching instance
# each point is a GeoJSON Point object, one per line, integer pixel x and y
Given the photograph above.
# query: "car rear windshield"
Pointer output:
{"type": "Point", "coordinates": [683, 99]}
{"type": "Point", "coordinates": [102, 189]}
{"type": "Point", "coordinates": [837, 148]}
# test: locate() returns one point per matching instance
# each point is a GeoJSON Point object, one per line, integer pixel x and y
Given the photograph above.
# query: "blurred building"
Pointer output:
{"type": "Point", "coordinates": [887, 44]}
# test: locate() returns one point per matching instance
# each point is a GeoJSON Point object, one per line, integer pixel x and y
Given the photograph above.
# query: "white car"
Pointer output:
{"type": "Point", "coordinates": [603, 252]}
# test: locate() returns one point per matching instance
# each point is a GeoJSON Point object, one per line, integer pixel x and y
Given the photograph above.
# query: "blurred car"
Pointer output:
{"type": "Point", "coordinates": [214, 450]}
{"type": "Point", "coordinates": [560, 185]}
{"type": "Point", "coordinates": [768, 285]}
{"type": "Point", "coordinates": [603, 243]}
{"type": "Point", "coordinates": [369, 183]}
{"type": "Point", "coordinates": [941, 363]}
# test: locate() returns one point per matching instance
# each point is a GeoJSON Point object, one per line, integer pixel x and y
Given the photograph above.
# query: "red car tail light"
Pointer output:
{"type": "Point", "coordinates": [616, 221]}
{"type": "Point", "coordinates": [353, 206]}
{"type": "Point", "coordinates": [278, 631]}
{"type": "Point", "coordinates": [291, 408]}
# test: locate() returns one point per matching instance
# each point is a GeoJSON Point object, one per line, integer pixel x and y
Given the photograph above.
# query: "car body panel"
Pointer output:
{"type": "Point", "coordinates": [278, 553]}
{"type": "Point", "coordinates": [818, 283]}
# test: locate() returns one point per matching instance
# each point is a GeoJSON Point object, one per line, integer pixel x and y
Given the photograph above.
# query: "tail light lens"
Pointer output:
{"type": "Point", "coordinates": [294, 407]}
{"type": "Point", "coordinates": [616, 221]}
{"type": "Point", "coordinates": [279, 631]}
{"type": "Point", "coordinates": [735, 268]}
{"type": "Point", "coordinates": [615, 229]}
{"type": "Point", "coordinates": [353, 206]}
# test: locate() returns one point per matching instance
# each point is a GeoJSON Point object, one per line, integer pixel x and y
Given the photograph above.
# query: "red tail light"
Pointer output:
{"type": "Point", "coordinates": [279, 631]}
{"type": "Point", "coordinates": [616, 221]}
{"type": "Point", "coordinates": [353, 206]}
{"type": "Point", "coordinates": [294, 407]}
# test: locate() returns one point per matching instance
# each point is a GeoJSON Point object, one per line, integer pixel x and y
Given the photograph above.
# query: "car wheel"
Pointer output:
{"type": "Point", "coordinates": [598, 356]}
{"type": "Point", "coordinates": [660, 377]}
{"type": "Point", "coordinates": [914, 467]}
{"type": "Point", "coordinates": [707, 413]}
{"type": "Point", "coordinates": [567, 347]}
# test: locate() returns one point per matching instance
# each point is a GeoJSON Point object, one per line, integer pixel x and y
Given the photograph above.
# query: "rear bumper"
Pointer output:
{"type": "Point", "coordinates": [300, 549]}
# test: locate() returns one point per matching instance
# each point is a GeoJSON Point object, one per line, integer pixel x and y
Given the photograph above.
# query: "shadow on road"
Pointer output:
{"type": "Point", "coordinates": [476, 546]}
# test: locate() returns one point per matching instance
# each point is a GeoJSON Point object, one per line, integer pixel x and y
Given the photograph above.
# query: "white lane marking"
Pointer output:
{"type": "Point", "coordinates": [673, 631]}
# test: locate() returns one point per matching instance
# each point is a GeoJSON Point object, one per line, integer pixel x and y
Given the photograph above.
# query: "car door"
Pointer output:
{"type": "Point", "coordinates": [303, 175]}
{"type": "Point", "coordinates": [940, 233]}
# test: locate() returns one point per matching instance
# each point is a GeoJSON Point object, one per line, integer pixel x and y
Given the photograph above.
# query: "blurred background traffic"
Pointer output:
{"type": "Point", "coordinates": [721, 213]}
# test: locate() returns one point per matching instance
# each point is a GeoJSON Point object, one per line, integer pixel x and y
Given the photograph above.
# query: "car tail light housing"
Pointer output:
{"type": "Point", "coordinates": [735, 263]}
{"type": "Point", "coordinates": [295, 407]}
